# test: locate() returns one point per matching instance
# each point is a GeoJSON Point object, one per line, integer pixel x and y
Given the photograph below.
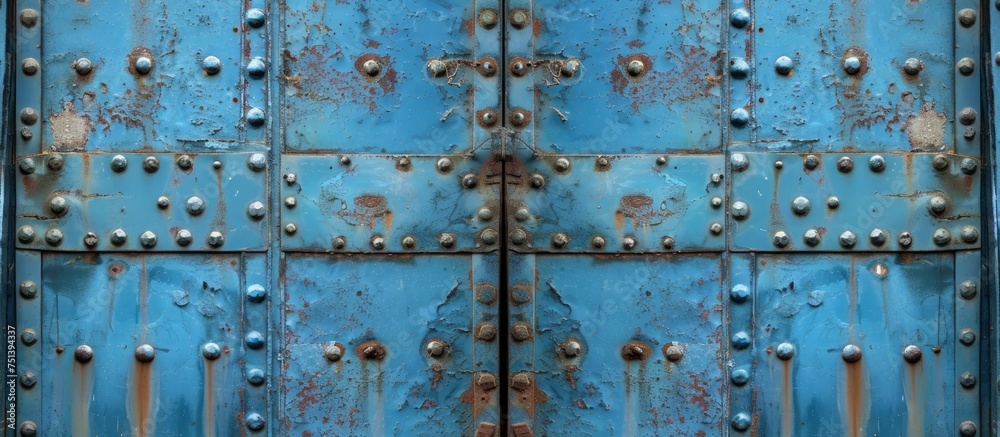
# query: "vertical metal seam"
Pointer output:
{"type": "Point", "coordinates": [275, 34]}
{"type": "Point", "coordinates": [503, 302]}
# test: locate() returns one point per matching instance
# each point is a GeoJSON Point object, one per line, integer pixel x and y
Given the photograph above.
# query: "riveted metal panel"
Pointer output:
{"type": "Point", "coordinates": [854, 202]}
{"type": "Point", "coordinates": [358, 345]}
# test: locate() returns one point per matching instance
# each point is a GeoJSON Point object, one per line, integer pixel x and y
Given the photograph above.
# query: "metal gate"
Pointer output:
{"type": "Point", "coordinates": [499, 217]}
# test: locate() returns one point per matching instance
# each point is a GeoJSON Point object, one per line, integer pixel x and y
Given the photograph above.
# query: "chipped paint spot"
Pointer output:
{"type": "Point", "coordinates": [70, 130]}
{"type": "Point", "coordinates": [926, 128]}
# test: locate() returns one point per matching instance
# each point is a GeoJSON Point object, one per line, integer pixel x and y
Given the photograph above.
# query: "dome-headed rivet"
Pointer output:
{"type": "Point", "coordinates": [194, 205]}
{"type": "Point", "coordinates": [968, 290]}
{"type": "Point", "coordinates": [905, 239]}
{"type": "Point", "coordinates": [967, 379]}
{"type": "Point", "coordinates": [147, 239]}
{"type": "Point", "coordinates": [629, 243]}
{"type": "Point", "coordinates": [561, 165]}
{"type": "Point", "coordinates": [28, 116]}
{"type": "Point", "coordinates": [28, 429]}
{"type": "Point", "coordinates": [537, 180]}
{"type": "Point", "coordinates": [256, 210]}
{"type": "Point", "coordinates": [715, 228]}
{"type": "Point", "coordinates": [28, 290]}
{"type": "Point", "coordinates": [255, 376]}
{"type": "Point", "coordinates": [211, 351]}
{"type": "Point", "coordinates": [967, 17]}
{"type": "Point", "coordinates": [635, 67]}
{"type": "Point", "coordinates": [740, 210]}
{"type": "Point", "coordinates": [143, 65]}
{"type": "Point", "coordinates": [256, 117]}
{"type": "Point", "coordinates": [255, 422]}
{"type": "Point", "coordinates": [967, 116]}
{"type": "Point", "coordinates": [784, 65]}
{"type": "Point", "coordinates": [851, 353]}
{"type": "Point", "coordinates": [739, 377]}
{"type": "Point", "coordinates": [58, 205]}
{"type": "Point", "coordinates": [257, 162]}
{"type": "Point", "coordinates": [211, 65]}
{"type": "Point", "coordinates": [598, 242]}
{"type": "Point", "coordinates": [163, 202]}
{"type": "Point", "coordinates": [469, 181]}
{"type": "Point", "coordinates": [444, 165]}
{"type": "Point", "coordinates": [372, 67]}
{"type": "Point", "coordinates": [741, 422]}
{"type": "Point", "coordinates": [970, 234]}
{"type": "Point", "coordinates": [967, 428]}
{"type": "Point", "coordinates": [969, 166]}
{"type": "Point", "coordinates": [254, 340]}
{"type": "Point", "coordinates": [55, 162]}
{"type": "Point", "coordinates": [739, 162]}
{"type": "Point", "coordinates": [740, 117]}
{"type": "Point", "coordinates": [811, 237]}
{"type": "Point", "coordinates": [256, 68]}
{"type": "Point", "coordinates": [967, 337]}
{"type": "Point", "coordinates": [436, 348]}
{"type": "Point", "coordinates": [339, 243]}
{"type": "Point", "coordinates": [377, 242]}
{"type": "Point", "coordinates": [739, 68]}
{"type": "Point", "coordinates": [739, 18]}
{"type": "Point", "coordinates": [150, 164]}
{"type": "Point", "coordinates": [145, 353]}
{"type": "Point", "coordinates": [912, 354]}
{"type": "Point", "coordinates": [571, 349]}
{"type": "Point", "coordinates": [878, 237]}
{"type": "Point", "coordinates": [334, 352]}
{"type": "Point", "coordinates": [845, 164]}
{"type": "Point", "coordinates": [119, 163]}
{"type": "Point", "coordinates": [118, 237]}
{"type": "Point", "coordinates": [674, 353]}
{"type": "Point", "coordinates": [255, 18]}
{"type": "Point", "coordinates": [780, 239]}
{"type": "Point", "coordinates": [801, 205]}
{"type": "Point", "coordinates": [256, 293]}
{"type": "Point", "coordinates": [739, 293]}
{"type": "Point", "coordinates": [966, 66]}
{"type": "Point", "coordinates": [848, 239]}
{"type": "Point", "coordinates": [876, 163]}
{"type": "Point", "coordinates": [408, 242]}
{"type": "Point", "coordinates": [185, 162]}
{"type": "Point", "coordinates": [53, 237]}
{"type": "Point", "coordinates": [29, 337]}
{"type": "Point", "coordinates": [519, 18]}
{"type": "Point", "coordinates": [940, 162]}
{"type": "Point", "coordinates": [852, 65]}
{"type": "Point", "coordinates": [446, 240]}
{"type": "Point", "coordinates": [184, 237]}
{"type": "Point", "coordinates": [215, 239]}
{"type": "Point", "coordinates": [741, 340]}
{"type": "Point", "coordinates": [29, 17]}
{"type": "Point", "coordinates": [785, 351]}
{"type": "Point", "coordinates": [913, 66]}
{"type": "Point", "coordinates": [291, 202]}
{"type": "Point", "coordinates": [942, 237]}
{"type": "Point", "coordinates": [668, 243]}
{"type": "Point", "coordinates": [83, 353]}
{"type": "Point", "coordinates": [833, 202]}
{"type": "Point", "coordinates": [489, 236]}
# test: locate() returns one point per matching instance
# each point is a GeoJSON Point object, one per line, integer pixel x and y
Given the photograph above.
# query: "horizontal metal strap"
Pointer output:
{"type": "Point", "coordinates": [854, 202]}
{"type": "Point", "coordinates": [142, 202]}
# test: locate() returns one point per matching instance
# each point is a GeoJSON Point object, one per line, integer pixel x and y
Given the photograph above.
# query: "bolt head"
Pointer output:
{"type": "Point", "coordinates": [211, 65]}
{"type": "Point", "coordinates": [83, 353]}
{"type": "Point", "coordinates": [852, 65]}
{"type": "Point", "coordinates": [119, 163]}
{"type": "Point", "coordinates": [968, 290]}
{"type": "Point", "coordinates": [848, 239]}
{"type": "Point", "coordinates": [913, 66]}
{"type": "Point", "coordinates": [811, 237]}
{"type": "Point", "coordinates": [520, 381]}
{"type": "Point", "coordinates": [801, 205]}
{"type": "Point", "coordinates": [878, 237]}
{"type": "Point", "coordinates": [256, 210]}
{"type": "Point", "coordinates": [740, 210]}
{"type": "Point", "coordinates": [519, 18]}
{"type": "Point", "coordinates": [28, 290]}
{"type": "Point", "coordinates": [851, 353]}
{"type": "Point", "coordinates": [184, 237]}
{"type": "Point", "coordinates": [147, 239]}
{"type": "Point", "coordinates": [520, 332]}
{"type": "Point", "coordinates": [215, 239]}
{"type": "Point", "coordinates": [145, 353]}
{"type": "Point", "coordinates": [118, 237]}
{"type": "Point", "coordinates": [780, 239]}
{"type": "Point", "coordinates": [571, 349]}
{"type": "Point", "coordinates": [912, 354]}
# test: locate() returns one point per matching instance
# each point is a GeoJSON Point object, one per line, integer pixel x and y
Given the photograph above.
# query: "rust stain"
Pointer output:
{"type": "Point", "coordinates": [70, 130]}
{"type": "Point", "coordinates": [787, 409]}
{"type": "Point", "coordinates": [913, 390]}
{"type": "Point", "coordinates": [857, 399]}
{"type": "Point", "coordinates": [570, 375]}
{"type": "Point", "coordinates": [370, 350]}
{"type": "Point", "coordinates": [695, 74]}
{"type": "Point", "coordinates": [925, 129]}
{"type": "Point", "coordinates": [83, 376]}
{"type": "Point", "coordinates": [639, 208]}
{"type": "Point", "coordinates": [142, 406]}
{"type": "Point", "coordinates": [208, 415]}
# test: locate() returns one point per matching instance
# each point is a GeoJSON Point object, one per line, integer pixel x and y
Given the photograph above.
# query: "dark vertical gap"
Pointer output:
{"type": "Point", "coordinates": [6, 187]}
{"type": "Point", "coordinates": [988, 314]}
{"type": "Point", "coordinates": [503, 304]}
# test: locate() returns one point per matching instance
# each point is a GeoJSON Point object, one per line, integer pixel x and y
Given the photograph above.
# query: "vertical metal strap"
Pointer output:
{"type": "Point", "coordinates": [28, 43]}
{"type": "Point", "coordinates": [256, 72]}
{"type": "Point", "coordinates": [28, 277]}
{"type": "Point", "coordinates": [521, 336]}
{"type": "Point", "coordinates": [990, 304]}
{"type": "Point", "coordinates": [967, 78]}
{"type": "Point", "coordinates": [486, 340]}
{"type": "Point", "coordinates": [967, 329]}
{"type": "Point", "coordinates": [258, 340]}
{"type": "Point", "coordinates": [738, 121]}
{"type": "Point", "coordinates": [739, 304]}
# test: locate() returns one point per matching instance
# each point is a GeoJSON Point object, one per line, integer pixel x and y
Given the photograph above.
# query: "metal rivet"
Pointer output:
{"type": "Point", "coordinates": [184, 237]}
{"type": "Point", "coordinates": [291, 228]}
{"type": "Point", "coordinates": [256, 210]}
{"type": "Point", "coordinates": [598, 242]}
{"type": "Point", "coordinates": [667, 243]}
{"type": "Point", "coordinates": [967, 380]}
{"type": "Point", "coordinates": [469, 181]}
{"type": "Point", "coordinates": [372, 67]}
{"type": "Point", "coordinates": [785, 351]}
{"type": "Point", "coordinates": [716, 178]}
{"type": "Point", "coordinates": [185, 162]}
{"type": "Point", "coordinates": [26, 234]}
{"type": "Point", "coordinates": [255, 117]}
{"type": "Point", "coordinates": [741, 340]}
{"type": "Point", "coordinates": [29, 337]}
{"type": "Point", "coordinates": [845, 164]}
{"type": "Point", "coordinates": [811, 162]}
{"type": "Point", "coordinates": [519, 67]}
{"type": "Point", "coordinates": [446, 240]}
{"type": "Point", "coordinates": [118, 237]}
{"type": "Point", "coordinates": [408, 242]}
{"type": "Point", "coordinates": [968, 290]}
{"type": "Point", "coordinates": [254, 340]}
{"type": "Point", "coordinates": [779, 165]}
{"type": "Point", "coordinates": [739, 18]}
{"type": "Point", "coordinates": [377, 242]}
{"type": "Point", "coordinates": [739, 293]}
{"type": "Point", "coordinates": [151, 164]}
{"type": "Point", "coordinates": [28, 429]}
{"type": "Point", "coordinates": [780, 239]}
{"type": "Point", "coordinates": [144, 353]}
{"type": "Point", "coordinates": [740, 377]}
{"type": "Point", "coordinates": [940, 162]}
{"type": "Point", "coordinates": [913, 66]}
{"type": "Point", "coordinates": [211, 65]}
{"type": "Point", "coordinates": [256, 293]}
{"type": "Point", "coordinates": [851, 353]}
{"type": "Point", "coordinates": [635, 67]}
{"type": "Point", "coordinates": [255, 422]}
{"type": "Point", "coordinates": [290, 202]}
{"type": "Point", "coordinates": [739, 68]}
{"type": "Point", "coordinates": [635, 351]}
{"type": "Point", "coordinates": [29, 66]}
{"type": "Point", "coordinates": [848, 239]}
{"type": "Point", "coordinates": [486, 294]}
{"type": "Point", "coordinates": [58, 205]}
{"type": "Point", "coordinates": [560, 240]}
{"type": "Point", "coordinates": [444, 165]}
{"type": "Point", "coordinates": [520, 381]}
{"type": "Point", "coordinates": [83, 353]}
{"type": "Point", "coordinates": [969, 234]}
{"type": "Point", "coordinates": [29, 379]}
{"type": "Point", "coordinates": [537, 180]}
{"type": "Point", "coordinates": [485, 214]}
{"type": "Point", "coordinates": [741, 422]}
{"type": "Point", "coordinates": [163, 202]}
{"type": "Point", "coordinates": [674, 353]}
{"type": "Point", "coordinates": [487, 381]}
{"type": "Point", "coordinates": [969, 133]}
{"type": "Point", "coordinates": [436, 68]}
{"type": "Point", "coordinates": [90, 239]}
{"type": "Point", "coordinates": [603, 161]}
{"type": "Point", "coordinates": [55, 162]}
{"type": "Point", "coordinates": [833, 202]}
{"type": "Point", "coordinates": [784, 65]}
{"type": "Point", "coordinates": [629, 243]}
{"type": "Point", "coordinates": [143, 65]}
{"type": "Point", "coordinates": [716, 202]}
{"type": "Point", "coordinates": [912, 354]}
{"type": "Point", "coordinates": [852, 65]}
{"type": "Point", "coordinates": [29, 116]}
{"type": "Point", "coordinates": [967, 337]}
{"type": "Point", "coordinates": [571, 348]}
{"type": "Point", "coordinates": [339, 243]}
{"type": "Point", "coordinates": [519, 18]}
{"type": "Point", "coordinates": [715, 228]}
{"type": "Point", "coordinates": [257, 162]}
{"type": "Point", "coordinates": [740, 210]}
{"type": "Point", "coordinates": [967, 17]}
{"type": "Point", "coordinates": [27, 133]}
{"type": "Point", "coordinates": [403, 163]}
{"type": "Point", "coordinates": [53, 237]}
{"type": "Point", "coordinates": [801, 205]}
{"type": "Point", "coordinates": [488, 18]}
{"type": "Point", "coordinates": [969, 166]}
{"type": "Point", "coordinates": [255, 376]}
{"type": "Point", "coordinates": [486, 332]}
{"type": "Point", "coordinates": [436, 348]}
{"type": "Point", "coordinates": [905, 239]}
{"type": "Point", "coordinates": [522, 214]}
{"type": "Point", "coordinates": [217, 164]}
{"type": "Point", "coordinates": [518, 237]}
{"type": "Point", "coordinates": [488, 117]}
{"type": "Point", "coordinates": [878, 237]}
{"type": "Point", "coordinates": [966, 66]}
{"type": "Point", "coordinates": [215, 239]}
{"type": "Point", "coordinates": [256, 68]}
{"type": "Point", "coordinates": [811, 237]}
{"type": "Point", "coordinates": [211, 351]}
{"type": "Point", "coordinates": [561, 165]}
{"type": "Point", "coordinates": [334, 352]}
{"type": "Point", "coordinates": [28, 289]}
{"type": "Point", "coordinates": [967, 116]}
{"type": "Point", "coordinates": [147, 239]}
{"type": "Point", "coordinates": [739, 162]}
{"type": "Point", "coordinates": [119, 163]}
{"type": "Point", "coordinates": [739, 117]}
{"type": "Point", "coordinates": [876, 163]}
{"type": "Point", "coordinates": [26, 166]}
{"type": "Point", "coordinates": [942, 236]}
{"type": "Point", "coordinates": [967, 428]}
{"type": "Point", "coordinates": [661, 160]}
{"type": "Point", "coordinates": [194, 205]}
{"type": "Point", "coordinates": [569, 68]}
{"type": "Point", "coordinates": [521, 332]}
{"type": "Point", "coordinates": [255, 18]}
{"type": "Point", "coordinates": [29, 17]}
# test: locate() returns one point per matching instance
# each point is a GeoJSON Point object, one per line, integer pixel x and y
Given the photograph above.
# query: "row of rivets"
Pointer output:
{"type": "Point", "coordinates": [739, 162]}
{"type": "Point", "coordinates": [878, 237]}
{"type": "Point", "coordinates": [148, 239]}
{"type": "Point", "coordinates": [143, 65]}
{"type": "Point", "coordinates": [151, 164]}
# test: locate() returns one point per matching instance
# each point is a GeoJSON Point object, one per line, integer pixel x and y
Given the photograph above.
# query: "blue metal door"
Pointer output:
{"type": "Point", "coordinates": [498, 217]}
